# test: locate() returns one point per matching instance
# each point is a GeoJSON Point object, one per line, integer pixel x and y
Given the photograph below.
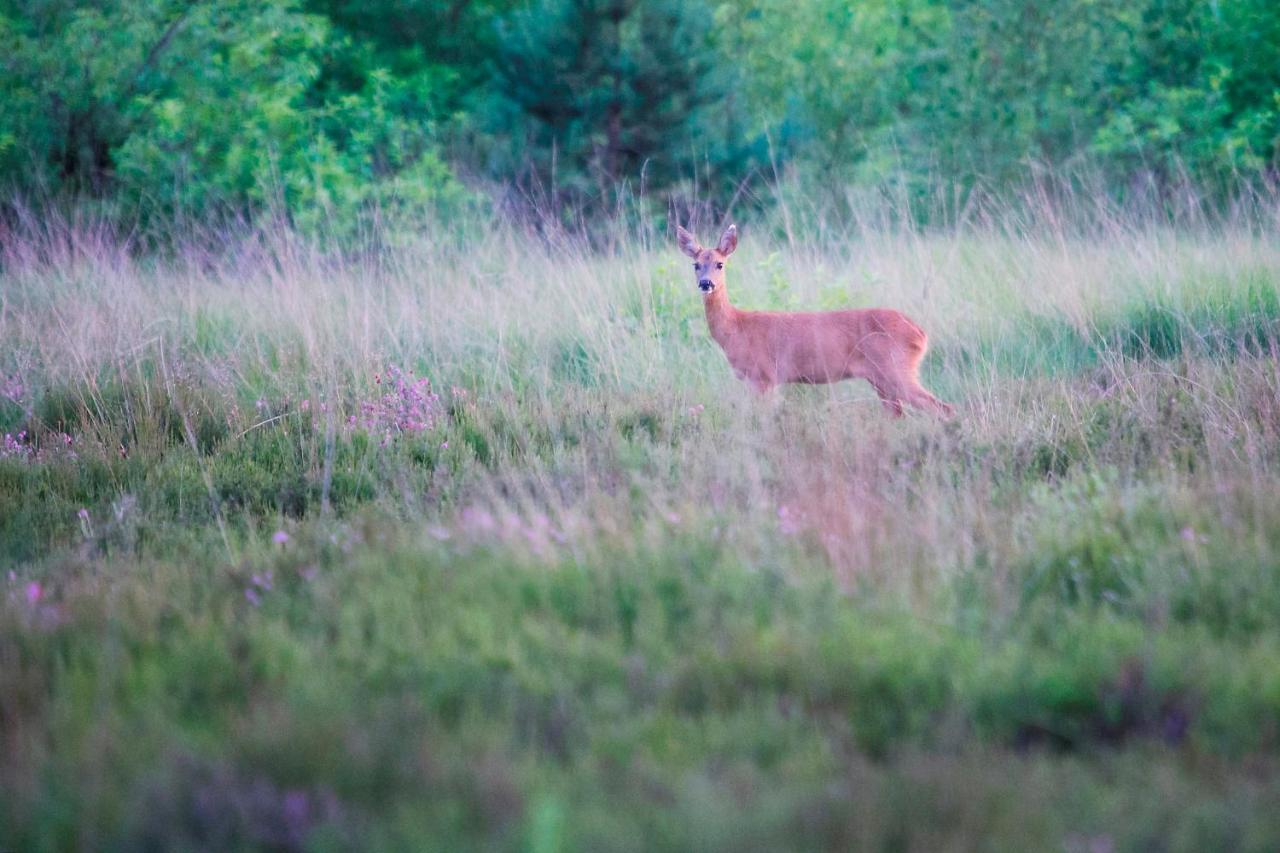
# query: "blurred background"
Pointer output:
{"type": "Point", "coordinates": [335, 111]}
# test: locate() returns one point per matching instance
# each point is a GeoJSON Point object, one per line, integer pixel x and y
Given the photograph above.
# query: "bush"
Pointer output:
{"type": "Point", "coordinates": [213, 108]}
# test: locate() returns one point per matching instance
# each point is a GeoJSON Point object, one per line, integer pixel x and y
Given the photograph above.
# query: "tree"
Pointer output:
{"type": "Point", "coordinates": [596, 93]}
{"type": "Point", "coordinates": [198, 107]}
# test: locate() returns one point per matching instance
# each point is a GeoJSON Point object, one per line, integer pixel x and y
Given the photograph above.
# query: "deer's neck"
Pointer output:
{"type": "Point", "coordinates": [722, 317]}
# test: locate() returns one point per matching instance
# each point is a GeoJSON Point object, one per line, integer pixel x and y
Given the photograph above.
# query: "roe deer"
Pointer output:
{"type": "Point", "coordinates": [770, 348]}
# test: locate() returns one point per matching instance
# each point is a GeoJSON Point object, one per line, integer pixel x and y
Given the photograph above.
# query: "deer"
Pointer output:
{"type": "Point", "coordinates": [767, 349]}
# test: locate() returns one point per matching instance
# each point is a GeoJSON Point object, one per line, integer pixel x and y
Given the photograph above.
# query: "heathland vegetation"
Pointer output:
{"type": "Point", "coordinates": [369, 479]}
{"type": "Point", "coordinates": [481, 544]}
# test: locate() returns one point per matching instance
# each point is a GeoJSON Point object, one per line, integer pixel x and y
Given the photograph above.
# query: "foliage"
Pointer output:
{"type": "Point", "coordinates": [449, 42]}
{"type": "Point", "coordinates": [974, 89]}
{"type": "Point", "coordinates": [331, 110]}
{"type": "Point", "coordinates": [612, 91]}
{"type": "Point", "coordinates": [207, 108]}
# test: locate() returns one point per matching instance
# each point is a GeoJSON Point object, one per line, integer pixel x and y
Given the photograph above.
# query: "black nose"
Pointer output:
{"type": "Point", "coordinates": [705, 284]}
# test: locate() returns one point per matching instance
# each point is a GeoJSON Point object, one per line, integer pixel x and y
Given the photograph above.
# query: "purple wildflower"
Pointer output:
{"type": "Point", "coordinates": [408, 405]}
{"type": "Point", "coordinates": [280, 537]}
{"type": "Point", "coordinates": [12, 388]}
{"type": "Point", "coordinates": [789, 521]}
{"type": "Point", "coordinates": [34, 593]}
{"type": "Point", "coordinates": [297, 808]}
{"type": "Point", "coordinates": [16, 447]}
{"type": "Point", "coordinates": [1189, 534]}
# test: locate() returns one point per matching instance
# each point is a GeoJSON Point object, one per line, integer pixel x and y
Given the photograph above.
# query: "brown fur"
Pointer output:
{"type": "Point", "coordinates": [771, 348]}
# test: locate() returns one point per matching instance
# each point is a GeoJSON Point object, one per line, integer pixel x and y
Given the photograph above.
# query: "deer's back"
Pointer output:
{"type": "Point", "coordinates": [822, 346]}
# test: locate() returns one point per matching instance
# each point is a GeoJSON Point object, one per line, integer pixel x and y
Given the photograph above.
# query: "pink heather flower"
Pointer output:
{"type": "Point", "coordinates": [444, 445]}
{"type": "Point", "coordinates": [305, 406]}
{"type": "Point", "coordinates": [280, 537]}
{"type": "Point", "coordinates": [478, 520]}
{"type": "Point", "coordinates": [12, 388]}
{"type": "Point", "coordinates": [788, 520]}
{"type": "Point", "coordinates": [297, 808]}
{"type": "Point", "coordinates": [263, 582]}
{"type": "Point", "coordinates": [407, 405]}
{"type": "Point", "coordinates": [18, 446]}
{"type": "Point", "coordinates": [34, 592]}
{"type": "Point", "coordinates": [86, 526]}
{"type": "Point", "coordinates": [15, 446]}
{"type": "Point", "coordinates": [1189, 534]}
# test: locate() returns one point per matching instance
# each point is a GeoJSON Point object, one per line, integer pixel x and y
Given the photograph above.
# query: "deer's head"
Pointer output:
{"type": "Point", "coordinates": [708, 264]}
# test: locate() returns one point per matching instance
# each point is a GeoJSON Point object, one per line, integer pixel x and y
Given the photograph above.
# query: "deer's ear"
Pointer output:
{"type": "Point", "coordinates": [688, 243]}
{"type": "Point", "coordinates": [728, 240]}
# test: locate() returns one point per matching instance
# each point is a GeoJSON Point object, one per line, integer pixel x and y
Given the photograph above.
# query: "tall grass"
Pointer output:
{"type": "Point", "coordinates": [585, 592]}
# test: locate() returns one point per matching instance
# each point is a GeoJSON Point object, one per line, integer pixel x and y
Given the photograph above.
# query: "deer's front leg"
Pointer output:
{"type": "Point", "coordinates": [767, 391]}
{"type": "Point", "coordinates": [759, 382]}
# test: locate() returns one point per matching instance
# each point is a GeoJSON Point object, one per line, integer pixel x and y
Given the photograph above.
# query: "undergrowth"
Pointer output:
{"type": "Point", "coordinates": [489, 550]}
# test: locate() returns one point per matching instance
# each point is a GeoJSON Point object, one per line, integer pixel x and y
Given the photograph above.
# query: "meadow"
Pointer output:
{"type": "Point", "coordinates": [474, 542]}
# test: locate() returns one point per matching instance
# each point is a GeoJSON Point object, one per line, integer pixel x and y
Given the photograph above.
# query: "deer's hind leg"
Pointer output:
{"type": "Point", "coordinates": [918, 395]}
{"type": "Point", "coordinates": [889, 393]}
{"type": "Point", "coordinates": [902, 386]}
{"type": "Point", "coordinates": [915, 393]}
{"type": "Point", "coordinates": [922, 399]}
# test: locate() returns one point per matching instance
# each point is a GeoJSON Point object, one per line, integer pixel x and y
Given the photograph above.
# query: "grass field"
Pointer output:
{"type": "Point", "coordinates": [477, 544]}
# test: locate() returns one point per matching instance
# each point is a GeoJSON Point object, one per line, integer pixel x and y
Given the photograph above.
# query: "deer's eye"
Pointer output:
{"type": "Point", "coordinates": [719, 265]}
